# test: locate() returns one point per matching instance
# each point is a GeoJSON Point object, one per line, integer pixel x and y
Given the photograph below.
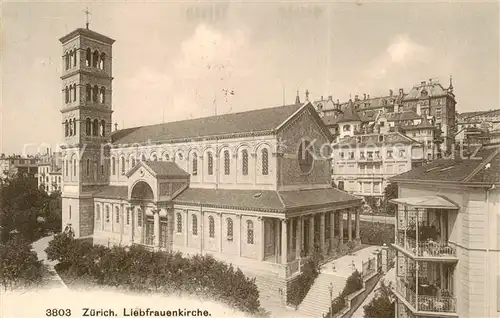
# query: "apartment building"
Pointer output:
{"type": "Point", "coordinates": [448, 237]}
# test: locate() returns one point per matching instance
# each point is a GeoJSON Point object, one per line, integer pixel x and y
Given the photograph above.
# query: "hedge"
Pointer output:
{"type": "Point", "coordinates": [353, 284]}
{"type": "Point", "coordinates": [301, 286]}
{"type": "Point", "coordinates": [138, 269]}
{"type": "Point", "coordinates": [19, 266]}
{"type": "Point", "coordinates": [374, 233]}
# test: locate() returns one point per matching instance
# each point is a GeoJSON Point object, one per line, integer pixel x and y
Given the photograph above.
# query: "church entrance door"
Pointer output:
{"type": "Point", "coordinates": [163, 234]}
{"type": "Point", "coordinates": [149, 231]}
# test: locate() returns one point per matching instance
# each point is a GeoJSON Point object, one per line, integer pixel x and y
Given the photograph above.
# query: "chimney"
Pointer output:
{"type": "Point", "coordinates": [321, 97]}
{"type": "Point", "coordinates": [422, 83]}
{"type": "Point", "coordinates": [401, 91]}
{"type": "Point", "coordinates": [116, 126]}
{"type": "Point", "coordinates": [330, 98]}
{"type": "Point", "coordinates": [364, 96]}
{"type": "Point", "coordinates": [356, 97]}
{"type": "Point", "coordinates": [391, 92]}
{"type": "Point", "coordinates": [48, 151]}
{"type": "Point", "coordinates": [368, 96]}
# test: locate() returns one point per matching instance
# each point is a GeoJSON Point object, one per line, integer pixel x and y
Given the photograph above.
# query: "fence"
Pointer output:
{"type": "Point", "coordinates": [368, 268]}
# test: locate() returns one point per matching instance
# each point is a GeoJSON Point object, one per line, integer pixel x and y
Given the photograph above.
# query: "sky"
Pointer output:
{"type": "Point", "coordinates": [174, 61]}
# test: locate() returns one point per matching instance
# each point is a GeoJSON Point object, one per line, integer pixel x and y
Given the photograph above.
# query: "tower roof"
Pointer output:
{"type": "Point", "coordinates": [87, 33]}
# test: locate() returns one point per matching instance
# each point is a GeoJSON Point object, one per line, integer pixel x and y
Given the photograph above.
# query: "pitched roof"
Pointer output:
{"type": "Point", "coordinates": [480, 167]}
{"type": "Point", "coordinates": [350, 114]}
{"type": "Point", "coordinates": [431, 89]}
{"type": "Point", "coordinates": [87, 33]}
{"type": "Point", "coordinates": [373, 140]}
{"type": "Point", "coordinates": [405, 115]}
{"type": "Point", "coordinates": [276, 201]}
{"type": "Point", "coordinates": [112, 192]}
{"type": "Point", "coordinates": [255, 121]}
{"type": "Point", "coordinates": [161, 169]}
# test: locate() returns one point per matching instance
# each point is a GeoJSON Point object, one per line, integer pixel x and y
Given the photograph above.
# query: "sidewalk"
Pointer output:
{"type": "Point", "coordinates": [52, 280]}
{"type": "Point", "coordinates": [343, 265]}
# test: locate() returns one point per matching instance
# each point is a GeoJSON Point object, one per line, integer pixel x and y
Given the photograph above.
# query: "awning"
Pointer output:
{"type": "Point", "coordinates": [427, 202]}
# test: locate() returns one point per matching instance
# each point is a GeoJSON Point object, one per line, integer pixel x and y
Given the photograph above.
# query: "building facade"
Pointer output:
{"type": "Point", "coordinates": [448, 237]}
{"type": "Point", "coordinates": [15, 164]}
{"type": "Point", "coordinates": [49, 175]}
{"type": "Point", "coordinates": [249, 188]}
{"type": "Point", "coordinates": [476, 128]}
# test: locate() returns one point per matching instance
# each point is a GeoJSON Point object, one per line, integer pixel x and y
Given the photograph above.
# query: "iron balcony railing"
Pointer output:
{"type": "Point", "coordinates": [427, 248]}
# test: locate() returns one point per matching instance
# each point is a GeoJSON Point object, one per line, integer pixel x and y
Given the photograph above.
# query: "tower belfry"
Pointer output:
{"type": "Point", "coordinates": [87, 120]}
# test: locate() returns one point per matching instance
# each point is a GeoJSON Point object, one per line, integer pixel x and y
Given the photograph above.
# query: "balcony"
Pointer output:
{"type": "Point", "coordinates": [427, 248]}
{"type": "Point", "coordinates": [427, 299]}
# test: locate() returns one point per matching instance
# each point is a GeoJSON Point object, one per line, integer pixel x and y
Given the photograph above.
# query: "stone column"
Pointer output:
{"type": "Point", "coordinates": [322, 233]}
{"type": "Point", "coordinates": [332, 230]}
{"type": "Point", "coordinates": [341, 226]}
{"type": "Point", "coordinates": [238, 217]}
{"type": "Point", "coordinates": [298, 236]}
{"type": "Point", "coordinates": [156, 225]}
{"type": "Point", "coordinates": [132, 225]}
{"type": "Point", "coordinates": [284, 236]}
{"type": "Point", "coordinates": [349, 224]}
{"type": "Point", "coordinates": [276, 225]}
{"type": "Point", "coordinates": [357, 223]}
{"type": "Point", "coordinates": [311, 235]}
{"type": "Point", "coordinates": [262, 238]}
{"type": "Point", "coordinates": [221, 225]}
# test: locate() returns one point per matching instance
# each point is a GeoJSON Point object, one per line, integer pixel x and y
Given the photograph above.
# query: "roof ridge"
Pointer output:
{"type": "Point", "coordinates": [281, 199]}
{"type": "Point", "coordinates": [481, 165]}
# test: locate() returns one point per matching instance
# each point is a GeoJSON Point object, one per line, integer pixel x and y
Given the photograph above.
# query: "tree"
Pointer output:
{"type": "Point", "coordinates": [20, 266]}
{"type": "Point", "coordinates": [390, 192]}
{"type": "Point", "coordinates": [383, 305]}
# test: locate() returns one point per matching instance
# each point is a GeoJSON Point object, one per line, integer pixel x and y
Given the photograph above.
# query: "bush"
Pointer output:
{"type": "Point", "coordinates": [19, 266]}
{"type": "Point", "coordinates": [353, 284]}
{"type": "Point", "coordinates": [376, 233]}
{"type": "Point", "coordinates": [140, 270]}
{"type": "Point", "coordinates": [301, 286]}
{"type": "Point", "coordinates": [383, 305]}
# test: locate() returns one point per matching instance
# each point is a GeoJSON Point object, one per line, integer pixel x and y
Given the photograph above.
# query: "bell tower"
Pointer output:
{"type": "Point", "coordinates": [86, 123]}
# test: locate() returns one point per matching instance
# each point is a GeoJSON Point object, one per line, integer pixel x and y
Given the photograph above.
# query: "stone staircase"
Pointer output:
{"type": "Point", "coordinates": [317, 301]}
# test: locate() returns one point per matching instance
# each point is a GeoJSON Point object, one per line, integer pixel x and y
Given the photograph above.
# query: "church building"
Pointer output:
{"type": "Point", "coordinates": [250, 188]}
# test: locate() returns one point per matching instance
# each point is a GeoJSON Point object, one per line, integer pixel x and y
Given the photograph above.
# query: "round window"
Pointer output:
{"type": "Point", "coordinates": [305, 156]}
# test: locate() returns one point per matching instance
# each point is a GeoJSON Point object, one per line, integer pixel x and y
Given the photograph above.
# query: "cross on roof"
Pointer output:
{"type": "Point", "coordinates": [87, 13]}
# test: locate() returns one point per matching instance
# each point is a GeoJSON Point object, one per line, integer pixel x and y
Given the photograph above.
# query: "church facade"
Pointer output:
{"type": "Point", "coordinates": [251, 188]}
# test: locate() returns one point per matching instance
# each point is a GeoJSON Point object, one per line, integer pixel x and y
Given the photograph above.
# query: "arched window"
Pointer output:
{"type": "Point", "coordinates": [139, 217]}
{"type": "Point", "coordinates": [66, 128]}
{"type": "Point", "coordinates": [210, 164]}
{"type": "Point", "coordinates": [166, 156]}
{"type": "Point", "coordinates": [71, 57]}
{"type": "Point", "coordinates": [74, 167]}
{"type": "Point", "coordinates": [97, 212]}
{"type": "Point", "coordinates": [66, 94]}
{"type": "Point", "coordinates": [143, 158]}
{"type": "Point", "coordinates": [107, 214]}
{"type": "Point", "coordinates": [70, 166]}
{"type": "Point", "coordinates": [95, 58]}
{"type": "Point", "coordinates": [229, 229]}
{"type": "Point", "coordinates": [71, 133]}
{"type": "Point", "coordinates": [88, 127]}
{"type": "Point", "coordinates": [66, 163]}
{"type": "Point", "coordinates": [265, 162]}
{"type": "Point", "coordinates": [66, 60]}
{"type": "Point", "coordinates": [117, 214]}
{"type": "Point", "coordinates": [249, 232]}
{"type": "Point", "coordinates": [133, 162]}
{"type": "Point", "coordinates": [154, 158]}
{"type": "Point", "coordinates": [195, 224]}
{"type": "Point", "coordinates": [87, 167]}
{"type": "Point", "coordinates": [95, 127]}
{"type": "Point", "coordinates": [123, 165]}
{"type": "Point", "coordinates": [179, 223]}
{"type": "Point", "coordinates": [227, 162]}
{"type": "Point", "coordinates": [74, 126]}
{"type": "Point", "coordinates": [103, 128]}
{"type": "Point", "coordinates": [113, 165]}
{"type": "Point", "coordinates": [95, 94]}
{"type": "Point", "coordinates": [70, 211]}
{"type": "Point", "coordinates": [211, 226]}
{"type": "Point", "coordinates": [74, 57]}
{"type": "Point", "coordinates": [88, 93]}
{"type": "Point", "coordinates": [102, 95]}
{"type": "Point", "coordinates": [70, 99]}
{"type": "Point", "coordinates": [305, 157]}
{"type": "Point", "coordinates": [244, 162]}
{"type": "Point", "coordinates": [88, 57]}
{"type": "Point", "coordinates": [195, 165]}
{"type": "Point", "coordinates": [102, 60]}
{"type": "Point", "coordinates": [74, 92]}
